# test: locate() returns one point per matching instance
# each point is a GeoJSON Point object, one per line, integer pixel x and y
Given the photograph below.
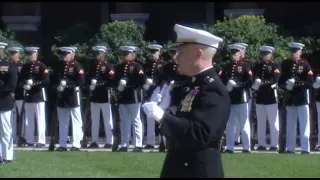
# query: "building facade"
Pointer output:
{"type": "Point", "coordinates": [35, 21]}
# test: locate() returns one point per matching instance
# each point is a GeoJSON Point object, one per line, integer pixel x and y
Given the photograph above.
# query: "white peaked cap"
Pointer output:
{"type": "Point", "coordinates": [236, 47]}
{"type": "Point", "coordinates": [155, 46]}
{"type": "Point", "coordinates": [99, 48]}
{"type": "Point", "coordinates": [266, 48]}
{"type": "Point", "coordinates": [31, 49]}
{"type": "Point", "coordinates": [129, 48]}
{"type": "Point", "coordinates": [190, 35]}
{"type": "Point", "coordinates": [74, 48]}
{"type": "Point", "coordinates": [243, 44]}
{"type": "Point", "coordinates": [3, 45]}
{"type": "Point", "coordinates": [15, 49]}
{"type": "Point", "coordinates": [296, 45]}
{"type": "Point", "coordinates": [66, 49]}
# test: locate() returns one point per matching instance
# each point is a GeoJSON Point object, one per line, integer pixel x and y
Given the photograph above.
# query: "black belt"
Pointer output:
{"type": "Point", "coordinates": [214, 145]}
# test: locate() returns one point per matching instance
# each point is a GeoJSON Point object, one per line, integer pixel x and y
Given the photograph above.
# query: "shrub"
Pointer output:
{"type": "Point", "coordinates": [253, 30]}
{"type": "Point", "coordinates": [9, 38]}
{"type": "Point", "coordinates": [119, 33]}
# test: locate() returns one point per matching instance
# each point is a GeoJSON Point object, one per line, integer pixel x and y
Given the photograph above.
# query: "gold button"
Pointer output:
{"type": "Point", "coordinates": [185, 164]}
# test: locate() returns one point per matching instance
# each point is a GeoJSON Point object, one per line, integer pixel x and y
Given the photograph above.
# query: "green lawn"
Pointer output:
{"type": "Point", "coordinates": [108, 164]}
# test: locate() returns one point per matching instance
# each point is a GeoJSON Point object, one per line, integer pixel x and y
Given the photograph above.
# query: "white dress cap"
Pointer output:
{"type": "Point", "coordinates": [75, 48]}
{"type": "Point", "coordinates": [296, 45]}
{"type": "Point", "coordinates": [155, 46]}
{"type": "Point", "coordinates": [243, 44]}
{"type": "Point", "coordinates": [66, 49]}
{"type": "Point", "coordinates": [99, 48]}
{"type": "Point", "coordinates": [236, 47]}
{"type": "Point", "coordinates": [3, 45]}
{"type": "Point", "coordinates": [128, 48]}
{"type": "Point", "coordinates": [14, 49]}
{"type": "Point", "coordinates": [266, 48]}
{"type": "Point", "coordinates": [190, 35]}
{"type": "Point", "coordinates": [31, 49]}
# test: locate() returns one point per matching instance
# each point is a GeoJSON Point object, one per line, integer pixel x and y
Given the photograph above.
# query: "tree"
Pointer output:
{"type": "Point", "coordinates": [120, 33]}
{"type": "Point", "coordinates": [253, 30]}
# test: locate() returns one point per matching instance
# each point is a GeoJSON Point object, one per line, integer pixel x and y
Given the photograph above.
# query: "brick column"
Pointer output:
{"type": "Point", "coordinates": [237, 9]}
{"type": "Point", "coordinates": [130, 11]}
{"type": "Point", "coordinates": [23, 19]}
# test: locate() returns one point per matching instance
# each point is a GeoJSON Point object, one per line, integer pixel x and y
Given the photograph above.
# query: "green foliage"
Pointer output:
{"type": "Point", "coordinates": [253, 30]}
{"type": "Point", "coordinates": [120, 33]}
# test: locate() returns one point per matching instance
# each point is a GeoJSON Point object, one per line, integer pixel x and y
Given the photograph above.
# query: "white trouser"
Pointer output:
{"type": "Point", "coordinates": [107, 121]}
{"type": "Point", "coordinates": [239, 112]}
{"type": "Point", "coordinates": [35, 111]}
{"type": "Point", "coordinates": [318, 112]}
{"type": "Point", "coordinates": [64, 120]}
{"type": "Point", "coordinates": [6, 138]}
{"type": "Point", "coordinates": [130, 113]}
{"type": "Point", "coordinates": [302, 113]}
{"type": "Point", "coordinates": [238, 127]}
{"type": "Point", "coordinates": [18, 104]}
{"type": "Point", "coordinates": [269, 112]}
{"type": "Point", "coordinates": [150, 131]}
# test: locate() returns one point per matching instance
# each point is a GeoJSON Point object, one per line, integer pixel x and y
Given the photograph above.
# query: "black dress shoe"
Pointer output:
{"type": "Point", "coordinates": [123, 149]}
{"type": "Point", "coordinates": [108, 146]}
{"type": "Point", "coordinates": [148, 146]}
{"type": "Point", "coordinates": [74, 149]}
{"type": "Point", "coordinates": [6, 161]}
{"type": "Point", "coordinates": [273, 149]}
{"type": "Point", "coordinates": [28, 145]}
{"type": "Point", "coordinates": [93, 145]}
{"type": "Point", "coordinates": [61, 149]}
{"type": "Point", "coordinates": [290, 152]}
{"type": "Point", "coordinates": [305, 152]}
{"type": "Point", "coordinates": [137, 149]}
{"type": "Point", "coordinates": [246, 151]}
{"type": "Point", "coordinates": [229, 151]}
{"type": "Point", "coordinates": [39, 145]}
{"type": "Point", "coordinates": [261, 148]}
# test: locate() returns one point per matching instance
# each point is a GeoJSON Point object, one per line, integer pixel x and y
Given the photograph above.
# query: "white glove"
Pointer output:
{"type": "Point", "coordinates": [30, 82]}
{"type": "Point", "coordinates": [318, 80]}
{"type": "Point", "coordinates": [316, 85]}
{"type": "Point", "coordinates": [93, 82]}
{"type": "Point", "coordinates": [156, 96]}
{"type": "Point", "coordinates": [231, 84]}
{"type": "Point", "coordinates": [122, 85]}
{"type": "Point", "coordinates": [256, 84]}
{"type": "Point", "coordinates": [146, 87]}
{"type": "Point", "coordinates": [166, 99]}
{"type": "Point", "coordinates": [60, 88]}
{"type": "Point", "coordinates": [290, 82]}
{"type": "Point", "coordinates": [92, 87]}
{"type": "Point", "coordinates": [149, 81]}
{"type": "Point", "coordinates": [63, 83]}
{"type": "Point", "coordinates": [153, 110]}
{"type": "Point", "coordinates": [123, 82]}
{"type": "Point", "coordinates": [27, 87]}
{"type": "Point", "coordinates": [289, 87]}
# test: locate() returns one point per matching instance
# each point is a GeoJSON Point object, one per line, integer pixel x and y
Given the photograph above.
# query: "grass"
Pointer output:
{"type": "Point", "coordinates": [31, 164]}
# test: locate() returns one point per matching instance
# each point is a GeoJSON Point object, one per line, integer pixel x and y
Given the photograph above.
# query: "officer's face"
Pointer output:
{"type": "Point", "coordinates": [295, 53]}
{"type": "Point", "coordinates": [32, 56]}
{"type": "Point", "coordinates": [154, 54]}
{"type": "Point", "coordinates": [65, 56]}
{"type": "Point", "coordinates": [243, 53]}
{"type": "Point", "coordinates": [187, 58]}
{"type": "Point", "coordinates": [128, 56]}
{"type": "Point", "coordinates": [15, 56]}
{"type": "Point", "coordinates": [99, 56]}
{"type": "Point", "coordinates": [72, 55]}
{"type": "Point", "coordinates": [2, 53]}
{"type": "Point", "coordinates": [235, 55]}
{"type": "Point", "coordinates": [173, 54]}
{"type": "Point", "coordinates": [266, 56]}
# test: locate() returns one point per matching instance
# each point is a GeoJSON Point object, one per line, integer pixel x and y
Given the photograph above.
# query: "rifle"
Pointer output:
{"type": "Point", "coordinates": [54, 126]}
{"type": "Point", "coordinates": [20, 123]}
{"type": "Point", "coordinates": [251, 119]}
{"type": "Point", "coordinates": [116, 127]}
{"type": "Point", "coordinates": [282, 123]}
{"type": "Point", "coordinates": [313, 118]}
